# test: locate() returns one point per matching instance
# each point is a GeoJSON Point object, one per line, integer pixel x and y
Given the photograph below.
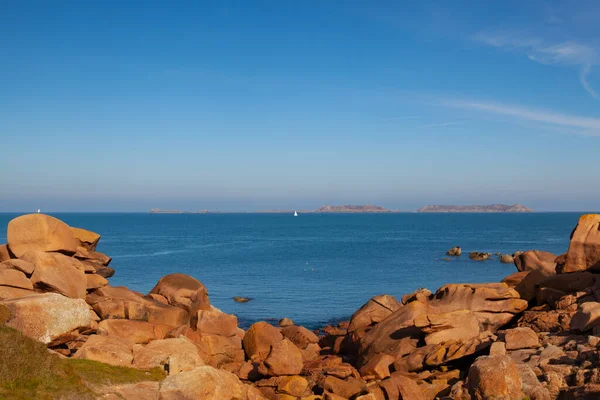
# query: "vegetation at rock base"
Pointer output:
{"type": "Point", "coordinates": [29, 371]}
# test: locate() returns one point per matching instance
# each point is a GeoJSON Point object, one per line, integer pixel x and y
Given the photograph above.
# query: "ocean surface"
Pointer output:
{"type": "Point", "coordinates": [314, 268]}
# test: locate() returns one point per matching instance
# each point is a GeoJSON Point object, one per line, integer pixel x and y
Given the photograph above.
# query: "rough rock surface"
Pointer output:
{"type": "Point", "coordinates": [584, 248]}
{"type": "Point", "coordinates": [174, 355]}
{"type": "Point", "coordinates": [39, 232]}
{"type": "Point", "coordinates": [495, 377]}
{"type": "Point", "coordinates": [258, 340]}
{"type": "Point", "coordinates": [107, 349]}
{"type": "Point", "coordinates": [183, 291]}
{"type": "Point", "coordinates": [206, 383]}
{"type": "Point", "coordinates": [45, 317]}
{"type": "Point", "coordinates": [55, 272]}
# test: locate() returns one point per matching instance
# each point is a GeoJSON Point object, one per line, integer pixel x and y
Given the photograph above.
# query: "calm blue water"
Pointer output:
{"type": "Point", "coordinates": [316, 267]}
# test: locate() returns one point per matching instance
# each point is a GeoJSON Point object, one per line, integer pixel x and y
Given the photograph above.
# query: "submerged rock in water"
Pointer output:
{"type": "Point", "coordinates": [506, 259]}
{"type": "Point", "coordinates": [240, 299]}
{"type": "Point", "coordinates": [455, 251]}
{"type": "Point", "coordinates": [479, 256]}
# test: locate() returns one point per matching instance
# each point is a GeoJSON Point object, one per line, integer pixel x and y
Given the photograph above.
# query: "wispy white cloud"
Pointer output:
{"type": "Point", "coordinates": [441, 124]}
{"type": "Point", "coordinates": [583, 75]}
{"type": "Point", "coordinates": [585, 125]}
{"type": "Point", "coordinates": [570, 53]}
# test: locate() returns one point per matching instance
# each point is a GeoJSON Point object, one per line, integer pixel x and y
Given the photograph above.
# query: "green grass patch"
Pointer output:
{"type": "Point", "coordinates": [29, 371]}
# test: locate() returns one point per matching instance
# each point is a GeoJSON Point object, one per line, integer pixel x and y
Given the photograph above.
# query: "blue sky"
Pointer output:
{"type": "Point", "coordinates": [242, 105]}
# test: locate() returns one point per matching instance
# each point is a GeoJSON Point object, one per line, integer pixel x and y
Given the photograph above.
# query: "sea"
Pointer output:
{"type": "Point", "coordinates": [315, 268]}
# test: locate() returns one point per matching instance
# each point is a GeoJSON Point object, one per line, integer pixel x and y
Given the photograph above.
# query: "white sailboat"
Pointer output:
{"type": "Point", "coordinates": [39, 210]}
{"type": "Point", "coordinates": [295, 213]}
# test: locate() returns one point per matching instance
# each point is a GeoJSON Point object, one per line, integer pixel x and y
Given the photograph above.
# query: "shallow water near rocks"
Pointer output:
{"type": "Point", "coordinates": [314, 268]}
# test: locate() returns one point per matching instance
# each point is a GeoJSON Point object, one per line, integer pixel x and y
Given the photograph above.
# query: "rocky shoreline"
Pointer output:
{"type": "Point", "coordinates": [535, 335]}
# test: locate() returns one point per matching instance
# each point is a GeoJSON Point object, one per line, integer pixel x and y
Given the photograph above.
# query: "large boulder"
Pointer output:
{"type": "Point", "coordinates": [5, 253]}
{"type": "Point", "coordinates": [584, 248]}
{"type": "Point", "coordinates": [94, 256]}
{"type": "Point", "coordinates": [216, 323]}
{"type": "Point", "coordinates": [217, 350]}
{"type": "Point", "coordinates": [111, 350]}
{"type": "Point", "coordinates": [206, 383]}
{"type": "Point", "coordinates": [300, 336]}
{"type": "Point", "coordinates": [373, 311]}
{"type": "Point", "coordinates": [521, 338]}
{"type": "Point", "coordinates": [465, 315]}
{"type": "Point", "coordinates": [8, 292]}
{"type": "Point", "coordinates": [495, 377]}
{"type": "Point", "coordinates": [121, 303]}
{"type": "Point", "coordinates": [86, 239]}
{"type": "Point", "coordinates": [20, 265]}
{"type": "Point", "coordinates": [39, 232]}
{"type": "Point", "coordinates": [183, 291]}
{"type": "Point", "coordinates": [14, 278]}
{"type": "Point", "coordinates": [259, 338]}
{"type": "Point", "coordinates": [136, 331]}
{"type": "Point", "coordinates": [284, 359]}
{"type": "Point", "coordinates": [45, 317]}
{"type": "Point", "coordinates": [586, 317]}
{"type": "Point", "coordinates": [55, 272]}
{"type": "Point", "coordinates": [173, 355]}
{"type": "Point", "coordinates": [536, 260]}
{"type": "Point", "coordinates": [398, 386]}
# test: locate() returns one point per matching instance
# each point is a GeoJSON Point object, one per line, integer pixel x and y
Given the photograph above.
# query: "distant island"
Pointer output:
{"type": "Point", "coordinates": [159, 211]}
{"type": "Point", "coordinates": [368, 208]}
{"type": "Point", "coordinates": [515, 208]}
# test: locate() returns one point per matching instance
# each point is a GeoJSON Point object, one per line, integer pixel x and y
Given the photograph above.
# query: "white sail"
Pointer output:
{"type": "Point", "coordinates": [295, 213]}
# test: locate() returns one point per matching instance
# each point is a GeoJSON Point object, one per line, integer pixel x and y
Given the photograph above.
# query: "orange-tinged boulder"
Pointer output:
{"type": "Point", "coordinates": [293, 385]}
{"type": "Point", "coordinates": [14, 278]}
{"type": "Point", "coordinates": [536, 260]}
{"type": "Point", "coordinates": [258, 340]}
{"type": "Point", "coordinates": [458, 313]}
{"type": "Point", "coordinates": [5, 253]}
{"type": "Point", "coordinates": [39, 232]}
{"type": "Point", "coordinates": [378, 367]}
{"type": "Point", "coordinates": [521, 338]}
{"type": "Point", "coordinates": [494, 377]}
{"type": "Point", "coordinates": [95, 281]}
{"type": "Point", "coordinates": [586, 317]}
{"type": "Point", "coordinates": [55, 272]}
{"type": "Point", "coordinates": [584, 248]}
{"type": "Point", "coordinates": [45, 317]}
{"type": "Point", "coordinates": [183, 291]}
{"type": "Point", "coordinates": [120, 302]}
{"type": "Point", "coordinates": [98, 268]}
{"type": "Point", "coordinates": [173, 355]}
{"type": "Point", "coordinates": [284, 359]}
{"type": "Point", "coordinates": [569, 283]}
{"type": "Point", "coordinates": [136, 331]}
{"type": "Point", "coordinates": [300, 336]}
{"type": "Point", "coordinates": [373, 311]}
{"type": "Point", "coordinates": [455, 325]}
{"type": "Point", "coordinates": [206, 383]}
{"type": "Point", "coordinates": [21, 265]}
{"type": "Point", "coordinates": [344, 388]}
{"type": "Point", "coordinates": [97, 257]}
{"type": "Point", "coordinates": [216, 323]}
{"type": "Point", "coordinates": [111, 350]}
{"type": "Point", "coordinates": [85, 238]}
{"type": "Point", "coordinates": [398, 386]}
{"type": "Point", "coordinates": [7, 293]}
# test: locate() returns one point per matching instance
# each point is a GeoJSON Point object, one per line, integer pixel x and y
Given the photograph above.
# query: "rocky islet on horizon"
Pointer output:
{"type": "Point", "coordinates": [534, 335]}
{"type": "Point", "coordinates": [515, 208]}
